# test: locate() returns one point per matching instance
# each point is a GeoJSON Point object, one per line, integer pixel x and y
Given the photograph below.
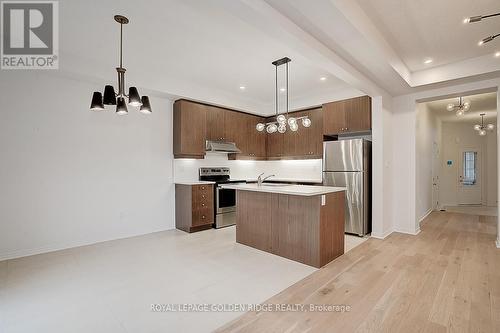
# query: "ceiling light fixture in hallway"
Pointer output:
{"type": "Point", "coordinates": [481, 128]}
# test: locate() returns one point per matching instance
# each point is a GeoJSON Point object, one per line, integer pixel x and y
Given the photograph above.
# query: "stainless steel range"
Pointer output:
{"type": "Point", "coordinates": [224, 199]}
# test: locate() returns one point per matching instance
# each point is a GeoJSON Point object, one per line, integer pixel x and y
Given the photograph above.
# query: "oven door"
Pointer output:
{"type": "Point", "coordinates": [225, 200]}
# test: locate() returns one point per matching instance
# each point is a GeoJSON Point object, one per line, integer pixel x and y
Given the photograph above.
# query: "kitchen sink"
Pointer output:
{"type": "Point", "coordinates": [276, 184]}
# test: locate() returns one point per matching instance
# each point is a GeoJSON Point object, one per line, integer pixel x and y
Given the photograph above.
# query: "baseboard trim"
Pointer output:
{"type": "Point", "coordinates": [425, 215]}
{"type": "Point", "coordinates": [413, 233]}
{"type": "Point", "coordinates": [68, 245]}
{"type": "Point", "coordinates": [383, 235]}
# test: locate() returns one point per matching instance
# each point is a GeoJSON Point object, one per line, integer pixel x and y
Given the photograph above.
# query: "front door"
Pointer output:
{"type": "Point", "coordinates": [469, 178]}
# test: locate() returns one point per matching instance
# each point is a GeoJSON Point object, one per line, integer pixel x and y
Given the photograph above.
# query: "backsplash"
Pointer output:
{"type": "Point", "coordinates": [187, 169]}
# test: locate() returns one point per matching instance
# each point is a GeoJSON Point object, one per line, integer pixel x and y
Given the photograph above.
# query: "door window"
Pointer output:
{"type": "Point", "coordinates": [469, 168]}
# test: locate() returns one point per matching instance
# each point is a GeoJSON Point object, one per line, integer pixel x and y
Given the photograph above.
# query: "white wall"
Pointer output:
{"type": "Point", "coordinates": [491, 169]}
{"type": "Point", "coordinates": [382, 166]}
{"type": "Point", "coordinates": [456, 137]}
{"type": "Point", "coordinates": [187, 169]}
{"type": "Point", "coordinates": [428, 136]}
{"type": "Point", "coordinates": [70, 176]}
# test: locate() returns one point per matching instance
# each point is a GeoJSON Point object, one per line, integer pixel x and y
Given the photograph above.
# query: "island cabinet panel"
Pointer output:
{"type": "Point", "coordinates": [189, 129]}
{"type": "Point", "coordinates": [347, 116]}
{"type": "Point", "coordinates": [254, 221]}
{"type": "Point", "coordinates": [296, 227]}
{"type": "Point", "coordinates": [194, 207]}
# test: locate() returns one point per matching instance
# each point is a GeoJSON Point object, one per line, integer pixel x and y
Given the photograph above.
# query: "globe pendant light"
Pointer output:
{"type": "Point", "coordinates": [481, 128]}
{"type": "Point", "coordinates": [460, 108]}
{"type": "Point", "coordinates": [282, 120]}
{"type": "Point", "coordinates": [118, 98]}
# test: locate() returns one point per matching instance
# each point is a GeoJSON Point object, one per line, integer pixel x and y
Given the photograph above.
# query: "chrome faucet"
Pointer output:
{"type": "Point", "coordinates": [260, 180]}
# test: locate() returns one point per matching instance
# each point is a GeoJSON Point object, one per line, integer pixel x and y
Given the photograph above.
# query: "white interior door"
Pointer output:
{"type": "Point", "coordinates": [469, 179]}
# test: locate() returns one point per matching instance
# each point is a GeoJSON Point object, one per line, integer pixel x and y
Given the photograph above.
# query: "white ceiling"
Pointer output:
{"type": "Point", "coordinates": [205, 50]}
{"type": "Point", "coordinates": [418, 29]}
{"type": "Point", "coordinates": [190, 48]}
{"type": "Point", "coordinates": [481, 103]}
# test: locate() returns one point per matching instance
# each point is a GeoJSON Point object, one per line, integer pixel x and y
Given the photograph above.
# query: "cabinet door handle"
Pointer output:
{"type": "Point", "coordinates": [203, 217]}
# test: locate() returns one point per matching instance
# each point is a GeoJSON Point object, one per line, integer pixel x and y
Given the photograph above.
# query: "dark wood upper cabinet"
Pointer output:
{"type": "Point", "coordinates": [334, 120]}
{"type": "Point", "coordinates": [215, 123]}
{"type": "Point", "coordinates": [236, 129]}
{"type": "Point", "coordinates": [194, 123]}
{"type": "Point", "coordinates": [314, 134]}
{"type": "Point", "coordinates": [189, 129]}
{"type": "Point", "coordinates": [358, 114]}
{"type": "Point", "coordinates": [275, 145]}
{"type": "Point", "coordinates": [307, 142]}
{"type": "Point", "coordinates": [347, 116]}
{"type": "Point", "coordinates": [256, 147]}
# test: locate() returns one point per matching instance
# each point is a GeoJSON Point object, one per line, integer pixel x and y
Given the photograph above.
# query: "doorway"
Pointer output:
{"type": "Point", "coordinates": [456, 161]}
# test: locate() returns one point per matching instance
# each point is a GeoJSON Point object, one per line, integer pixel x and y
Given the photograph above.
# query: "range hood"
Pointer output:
{"type": "Point", "coordinates": [221, 147]}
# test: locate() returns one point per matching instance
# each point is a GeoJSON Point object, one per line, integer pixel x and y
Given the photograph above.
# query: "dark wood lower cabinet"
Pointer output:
{"type": "Point", "coordinates": [194, 207]}
{"type": "Point", "coordinates": [296, 227]}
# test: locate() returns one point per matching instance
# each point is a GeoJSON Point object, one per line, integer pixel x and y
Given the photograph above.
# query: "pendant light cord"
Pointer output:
{"type": "Point", "coordinates": [276, 88]}
{"type": "Point", "coordinates": [287, 89]}
{"type": "Point", "coordinates": [121, 45]}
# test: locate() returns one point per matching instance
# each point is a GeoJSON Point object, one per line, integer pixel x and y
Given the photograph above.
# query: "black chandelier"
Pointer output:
{"type": "Point", "coordinates": [118, 99]}
{"type": "Point", "coordinates": [479, 18]}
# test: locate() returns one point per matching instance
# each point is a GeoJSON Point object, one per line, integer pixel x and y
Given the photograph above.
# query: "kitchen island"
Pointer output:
{"type": "Point", "coordinates": [299, 222]}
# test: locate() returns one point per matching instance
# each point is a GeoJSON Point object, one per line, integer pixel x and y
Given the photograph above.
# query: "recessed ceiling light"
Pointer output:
{"type": "Point", "coordinates": [322, 78]}
{"type": "Point", "coordinates": [428, 61]}
{"type": "Point", "coordinates": [242, 87]}
{"type": "Point", "coordinates": [282, 89]}
{"type": "Point", "coordinates": [497, 54]}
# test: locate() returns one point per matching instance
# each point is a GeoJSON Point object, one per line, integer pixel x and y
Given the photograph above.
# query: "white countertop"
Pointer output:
{"type": "Point", "coordinates": [305, 190]}
{"type": "Point", "coordinates": [291, 180]}
{"type": "Point", "coordinates": [196, 182]}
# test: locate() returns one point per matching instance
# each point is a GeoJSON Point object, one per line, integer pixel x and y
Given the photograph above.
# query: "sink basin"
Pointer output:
{"type": "Point", "coordinates": [276, 184]}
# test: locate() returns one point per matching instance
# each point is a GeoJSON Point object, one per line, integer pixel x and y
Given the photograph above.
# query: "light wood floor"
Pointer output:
{"type": "Point", "coordinates": [446, 279]}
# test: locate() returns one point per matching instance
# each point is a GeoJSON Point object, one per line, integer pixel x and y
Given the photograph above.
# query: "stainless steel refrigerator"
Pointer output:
{"type": "Point", "coordinates": [347, 163]}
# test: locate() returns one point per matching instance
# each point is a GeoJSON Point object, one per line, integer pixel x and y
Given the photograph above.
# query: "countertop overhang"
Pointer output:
{"type": "Point", "coordinates": [304, 190]}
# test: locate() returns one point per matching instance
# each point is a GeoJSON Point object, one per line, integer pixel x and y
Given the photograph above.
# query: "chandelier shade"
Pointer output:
{"type": "Point", "coordinates": [133, 97]}
{"type": "Point", "coordinates": [111, 97]}
{"type": "Point", "coordinates": [121, 106]}
{"type": "Point", "coordinates": [146, 106]}
{"type": "Point", "coordinates": [96, 104]}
